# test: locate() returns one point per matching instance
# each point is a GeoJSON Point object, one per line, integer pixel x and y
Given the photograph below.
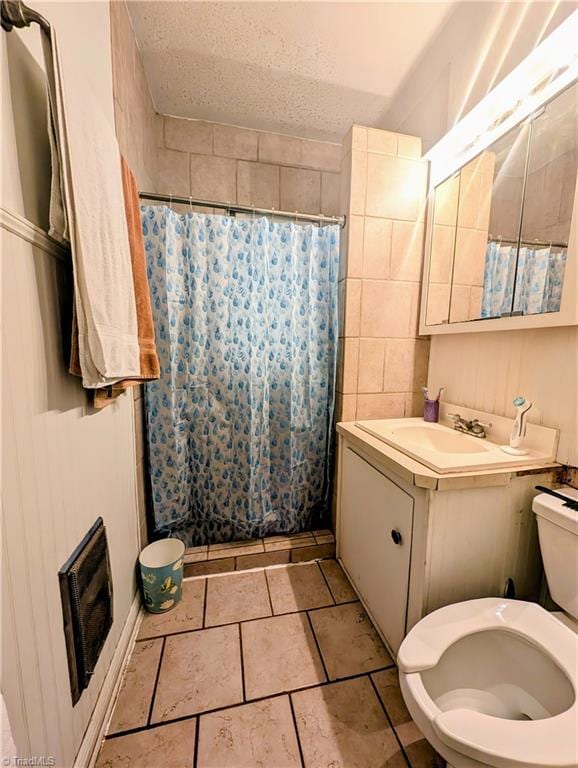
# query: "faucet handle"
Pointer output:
{"type": "Point", "coordinates": [485, 425]}
{"type": "Point", "coordinates": [454, 416]}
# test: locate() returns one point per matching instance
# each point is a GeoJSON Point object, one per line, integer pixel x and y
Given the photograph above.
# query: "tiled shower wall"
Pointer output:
{"type": "Point", "coordinates": [136, 129]}
{"type": "Point", "coordinates": [382, 361]}
{"type": "Point", "coordinates": [211, 161]}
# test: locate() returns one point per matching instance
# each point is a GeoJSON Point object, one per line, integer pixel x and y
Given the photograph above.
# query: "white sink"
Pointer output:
{"type": "Point", "coordinates": [443, 448]}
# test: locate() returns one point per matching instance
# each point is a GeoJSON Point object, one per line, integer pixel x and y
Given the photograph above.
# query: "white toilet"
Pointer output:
{"type": "Point", "coordinates": [493, 682]}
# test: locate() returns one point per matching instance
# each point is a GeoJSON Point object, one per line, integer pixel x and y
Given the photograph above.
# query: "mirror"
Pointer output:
{"type": "Point", "coordinates": [500, 225]}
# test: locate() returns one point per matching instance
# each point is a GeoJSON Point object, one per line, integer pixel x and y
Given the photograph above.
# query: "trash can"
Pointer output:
{"type": "Point", "coordinates": [161, 568]}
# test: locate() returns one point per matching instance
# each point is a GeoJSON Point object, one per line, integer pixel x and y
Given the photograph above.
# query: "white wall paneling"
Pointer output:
{"type": "Point", "coordinates": [63, 464]}
{"type": "Point", "coordinates": [486, 371]}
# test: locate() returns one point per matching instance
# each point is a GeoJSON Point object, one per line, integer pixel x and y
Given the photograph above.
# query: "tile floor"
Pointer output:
{"type": "Point", "coordinates": [273, 668]}
{"type": "Point", "coordinates": [259, 553]}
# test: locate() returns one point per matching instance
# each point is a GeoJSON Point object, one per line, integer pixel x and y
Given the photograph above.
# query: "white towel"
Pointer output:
{"type": "Point", "coordinates": [87, 207]}
{"type": "Point", "coordinates": [8, 750]}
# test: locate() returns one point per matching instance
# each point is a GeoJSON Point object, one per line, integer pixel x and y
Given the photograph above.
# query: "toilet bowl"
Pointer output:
{"type": "Point", "coordinates": [494, 682]}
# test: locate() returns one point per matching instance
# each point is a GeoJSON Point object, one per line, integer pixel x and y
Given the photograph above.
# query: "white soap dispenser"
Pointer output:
{"type": "Point", "coordinates": [519, 429]}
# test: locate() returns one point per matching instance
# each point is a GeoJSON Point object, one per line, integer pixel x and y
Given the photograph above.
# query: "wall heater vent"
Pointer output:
{"type": "Point", "coordinates": [86, 592]}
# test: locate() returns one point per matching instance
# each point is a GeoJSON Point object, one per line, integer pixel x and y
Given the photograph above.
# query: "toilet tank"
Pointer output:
{"type": "Point", "coordinates": [558, 533]}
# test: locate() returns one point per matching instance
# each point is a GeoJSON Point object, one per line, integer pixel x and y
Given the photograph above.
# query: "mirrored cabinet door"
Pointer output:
{"type": "Point", "coordinates": [549, 195]}
{"type": "Point", "coordinates": [500, 225]}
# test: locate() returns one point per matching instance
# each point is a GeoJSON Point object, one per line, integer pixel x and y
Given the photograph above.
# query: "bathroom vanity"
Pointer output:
{"type": "Point", "coordinates": [412, 539]}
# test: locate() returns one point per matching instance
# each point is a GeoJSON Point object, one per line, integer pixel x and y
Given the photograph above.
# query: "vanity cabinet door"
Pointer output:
{"type": "Point", "coordinates": [375, 531]}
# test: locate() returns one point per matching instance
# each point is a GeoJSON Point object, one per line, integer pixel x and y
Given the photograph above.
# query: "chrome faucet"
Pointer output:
{"type": "Point", "coordinates": [475, 428]}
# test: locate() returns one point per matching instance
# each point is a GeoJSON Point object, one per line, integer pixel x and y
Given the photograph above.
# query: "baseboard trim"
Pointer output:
{"type": "Point", "coordinates": [94, 734]}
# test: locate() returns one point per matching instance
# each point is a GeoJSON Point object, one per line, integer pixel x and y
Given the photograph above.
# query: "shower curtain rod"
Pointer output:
{"type": "Point", "coordinates": [237, 208]}
{"type": "Point", "coordinates": [539, 243]}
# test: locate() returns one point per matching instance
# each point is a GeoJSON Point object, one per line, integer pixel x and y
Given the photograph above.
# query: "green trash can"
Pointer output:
{"type": "Point", "coordinates": [161, 568]}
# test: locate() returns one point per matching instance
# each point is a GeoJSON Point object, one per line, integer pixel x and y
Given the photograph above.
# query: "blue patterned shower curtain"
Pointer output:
{"type": "Point", "coordinates": [239, 425]}
{"type": "Point", "coordinates": [528, 281]}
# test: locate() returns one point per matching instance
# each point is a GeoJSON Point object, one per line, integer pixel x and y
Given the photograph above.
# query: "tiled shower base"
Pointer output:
{"type": "Point", "coordinates": [272, 668]}
{"type": "Point", "coordinates": [258, 553]}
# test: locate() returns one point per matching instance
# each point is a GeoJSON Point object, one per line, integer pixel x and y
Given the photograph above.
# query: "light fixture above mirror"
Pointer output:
{"type": "Point", "coordinates": [549, 69]}
{"type": "Point", "coordinates": [502, 223]}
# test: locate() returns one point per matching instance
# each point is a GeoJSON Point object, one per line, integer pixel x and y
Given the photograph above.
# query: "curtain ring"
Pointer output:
{"type": "Point", "coordinates": [191, 204]}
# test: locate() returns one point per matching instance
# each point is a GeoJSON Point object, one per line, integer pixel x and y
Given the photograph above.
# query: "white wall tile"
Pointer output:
{"type": "Point", "coordinates": [300, 190]}
{"type": "Point", "coordinates": [229, 141]}
{"type": "Point", "coordinates": [303, 153]}
{"type": "Point", "coordinates": [188, 135]}
{"type": "Point", "coordinates": [258, 184]}
{"type": "Point", "coordinates": [376, 248]}
{"type": "Point", "coordinates": [330, 193]}
{"type": "Point", "coordinates": [173, 172]}
{"type": "Point", "coordinates": [383, 142]}
{"type": "Point", "coordinates": [386, 309]}
{"type": "Point", "coordinates": [213, 178]}
{"type": "Point", "coordinates": [396, 187]}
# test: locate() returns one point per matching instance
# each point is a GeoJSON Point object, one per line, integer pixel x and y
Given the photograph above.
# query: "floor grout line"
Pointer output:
{"type": "Point", "coordinates": [196, 748]}
{"type": "Point", "coordinates": [197, 716]}
{"type": "Point", "coordinates": [243, 686]}
{"type": "Point", "coordinates": [317, 645]}
{"type": "Point", "coordinates": [158, 673]}
{"type": "Point", "coordinates": [301, 757]}
{"type": "Point", "coordinates": [243, 621]}
{"type": "Point", "coordinates": [328, 584]}
{"type": "Point", "coordinates": [205, 603]}
{"type": "Point", "coordinates": [269, 593]}
{"type": "Point", "coordinates": [256, 700]}
{"type": "Point", "coordinates": [388, 718]}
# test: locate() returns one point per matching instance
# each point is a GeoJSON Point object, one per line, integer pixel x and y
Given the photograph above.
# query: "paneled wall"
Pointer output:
{"type": "Point", "coordinates": [210, 161]}
{"type": "Point", "coordinates": [63, 464]}
{"type": "Point", "coordinates": [486, 371]}
{"type": "Point", "coordinates": [382, 361]}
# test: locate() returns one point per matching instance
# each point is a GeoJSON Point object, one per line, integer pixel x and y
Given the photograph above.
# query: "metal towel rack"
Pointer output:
{"type": "Point", "coordinates": [15, 13]}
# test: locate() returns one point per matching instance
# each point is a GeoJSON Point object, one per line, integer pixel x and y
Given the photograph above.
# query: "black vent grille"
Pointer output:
{"type": "Point", "coordinates": [86, 591]}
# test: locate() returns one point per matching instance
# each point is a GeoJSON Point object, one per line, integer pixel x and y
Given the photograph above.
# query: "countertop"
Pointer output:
{"type": "Point", "coordinates": [414, 473]}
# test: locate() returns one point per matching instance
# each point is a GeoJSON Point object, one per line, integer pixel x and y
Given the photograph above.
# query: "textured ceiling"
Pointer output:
{"type": "Point", "coordinates": [307, 68]}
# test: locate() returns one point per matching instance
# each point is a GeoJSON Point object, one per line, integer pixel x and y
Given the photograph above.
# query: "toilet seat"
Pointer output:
{"type": "Point", "coordinates": [491, 740]}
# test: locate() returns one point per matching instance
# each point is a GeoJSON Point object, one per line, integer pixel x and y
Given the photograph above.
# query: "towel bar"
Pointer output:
{"type": "Point", "coordinates": [15, 13]}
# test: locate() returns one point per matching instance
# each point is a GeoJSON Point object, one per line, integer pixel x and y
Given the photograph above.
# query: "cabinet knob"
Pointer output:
{"type": "Point", "coordinates": [396, 536]}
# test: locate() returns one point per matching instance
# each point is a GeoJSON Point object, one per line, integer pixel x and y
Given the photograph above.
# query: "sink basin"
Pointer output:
{"type": "Point", "coordinates": [433, 438]}
{"type": "Point", "coordinates": [443, 448]}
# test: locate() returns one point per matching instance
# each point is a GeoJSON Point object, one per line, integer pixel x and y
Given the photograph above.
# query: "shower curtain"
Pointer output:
{"type": "Point", "coordinates": [239, 424]}
{"type": "Point", "coordinates": [538, 274]}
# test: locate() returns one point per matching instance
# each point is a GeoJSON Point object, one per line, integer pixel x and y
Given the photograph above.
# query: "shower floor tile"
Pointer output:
{"type": "Point", "coordinates": [258, 691]}
{"type": "Point", "coordinates": [259, 553]}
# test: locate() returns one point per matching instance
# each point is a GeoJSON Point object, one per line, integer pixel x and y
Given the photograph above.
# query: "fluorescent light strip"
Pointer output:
{"type": "Point", "coordinates": [550, 68]}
